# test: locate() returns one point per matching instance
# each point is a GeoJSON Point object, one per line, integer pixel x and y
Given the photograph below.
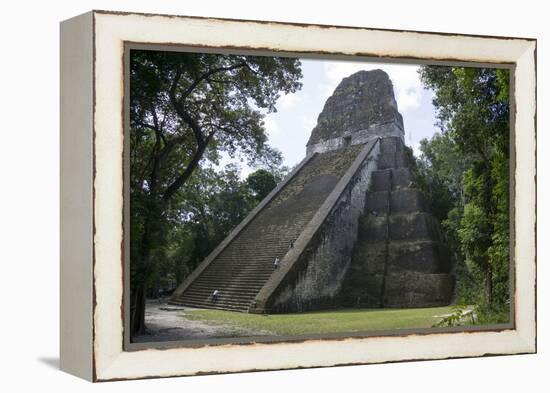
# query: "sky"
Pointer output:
{"type": "Point", "coordinates": [290, 127]}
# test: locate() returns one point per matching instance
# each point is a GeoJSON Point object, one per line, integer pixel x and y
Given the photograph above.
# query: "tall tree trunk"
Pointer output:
{"type": "Point", "coordinates": [156, 206]}
{"type": "Point", "coordinates": [139, 295]}
{"type": "Point", "coordinates": [137, 314]}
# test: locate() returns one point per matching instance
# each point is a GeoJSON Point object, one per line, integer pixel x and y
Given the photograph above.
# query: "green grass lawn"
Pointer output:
{"type": "Point", "coordinates": [333, 321]}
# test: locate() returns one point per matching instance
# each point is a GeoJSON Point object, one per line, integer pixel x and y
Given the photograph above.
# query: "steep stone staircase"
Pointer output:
{"type": "Point", "coordinates": [244, 266]}
{"type": "Point", "coordinates": [400, 258]}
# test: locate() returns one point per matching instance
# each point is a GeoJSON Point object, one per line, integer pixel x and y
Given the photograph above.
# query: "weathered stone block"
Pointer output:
{"type": "Point", "coordinates": [417, 256]}
{"type": "Point", "coordinates": [368, 258]}
{"type": "Point", "coordinates": [401, 159]}
{"type": "Point", "coordinates": [389, 146]}
{"type": "Point", "coordinates": [381, 180]}
{"type": "Point", "coordinates": [373, 229]}
{"type": "Point", "coordinates": [377, 203]}
{"type": "Point", "coordinates": [411, 289]}
{"type": "Point", "coordinates": [408, 201]}
{"type": "Point", "coordinates": [387, 161]}
{"type": "Point", "coordinates": [366, 294]}
{"type": "Point", "coordinates": [401, 178]}
{"type": "Point", "coordinates": [414, 226]}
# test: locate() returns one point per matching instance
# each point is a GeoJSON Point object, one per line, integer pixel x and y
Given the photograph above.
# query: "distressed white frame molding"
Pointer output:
{"type": "Point", "coordinates": [92, 112]}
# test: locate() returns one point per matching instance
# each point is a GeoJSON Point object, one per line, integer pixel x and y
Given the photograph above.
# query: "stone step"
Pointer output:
{"type": "Point", "coordinates": [244, 276]}
{"type": "Point", "coordinates": [276, 242]}
{"type": "Point", "coordinates": [224, 297]}
{"type": "Point", "coordinates": [257, 263]}
{"type": "Point", "coordinates": [426, 256]}
{"type": "Point", "coordinates": [233, 287]}
{"type": "Point", "coordinates": [398, 159]}
{"type": "Point", "coordinates": [245, 291]}
{"type": "Point", "coordinates": [249, 248]}
{"type": "Point", "coordinates": [392, 180]}
{"type": "Point", "coordinates": [392, 154]}
{"type": "Point", "coordinates": [211, 285]}
{"type": "Point", "coordinates": [407, 200]}
{"type": "Point", "coordinates": [414, 226]}
{"type": "Point", "coordinates": [240, 266]}
{"type": "Point", "coordinates": [259, 259]}
{"type": "Point", "coordinates": [245, 245]}
{"type": "Point", "coordinates": [381, 180]}
{"type": "Point", "coordinates": [234, 296]}
{"type": "Point", "coordinates": [227, 299]}
{"type": "Point", "coordinates": [252, 262]}
{"type": "Point", "coordinates": [228, 270]}
{"type": "Point", "coordinates": [411, 226]}
{"type": "Point", "coordinates": [402, 290]}
{"type": "Point", "coordinates": [209, 305]}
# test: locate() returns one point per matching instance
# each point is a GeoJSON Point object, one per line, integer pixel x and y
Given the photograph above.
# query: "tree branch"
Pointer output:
{"type": "Point", "coordinates": [201, 139]}
{"type": "Point", "coordinates": [186, 174]}
{"type": "Point", "coordinates": [209, 73]}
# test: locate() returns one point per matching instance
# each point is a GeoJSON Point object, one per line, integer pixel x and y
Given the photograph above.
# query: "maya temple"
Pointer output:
{"type": "Point", "coordinates": [347, 227]}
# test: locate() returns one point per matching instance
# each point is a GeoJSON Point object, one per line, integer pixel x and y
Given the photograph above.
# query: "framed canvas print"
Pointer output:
{"type": "Point", "coordinates": [246, 195]}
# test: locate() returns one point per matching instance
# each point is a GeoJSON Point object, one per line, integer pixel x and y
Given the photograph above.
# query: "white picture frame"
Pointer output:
{"type": "Point", "coordinates": [92, 193]}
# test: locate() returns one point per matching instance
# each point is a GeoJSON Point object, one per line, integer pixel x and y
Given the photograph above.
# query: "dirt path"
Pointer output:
{"type": "Point", "coordinates": [168, 323]}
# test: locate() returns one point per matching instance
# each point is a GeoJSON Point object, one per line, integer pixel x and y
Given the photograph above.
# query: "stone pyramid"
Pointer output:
{"type": "Point", "coordinates": [348, 225]}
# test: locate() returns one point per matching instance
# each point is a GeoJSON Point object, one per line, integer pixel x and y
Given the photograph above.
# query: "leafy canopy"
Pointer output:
{"type": "Point", "coordinates": [467, 169]}
{"type": "Point", "coordinates": [189, 106]}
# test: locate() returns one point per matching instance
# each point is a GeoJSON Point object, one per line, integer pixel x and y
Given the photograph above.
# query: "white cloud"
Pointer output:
{"type": "Point", "coordinates": [405, 79]}
{"type": "Point", "coordinates": [271, 126]}
{"type": "Point", "coordinates": [290, 100]}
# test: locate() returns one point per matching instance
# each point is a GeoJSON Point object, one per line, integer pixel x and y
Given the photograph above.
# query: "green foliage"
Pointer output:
{"type": "Point", "coordinates": [460, 315]}
{"type": "Point", "coordinates": [496, 313]}
{"type": "Point", "coordinates": [178, 101]}
{"type": "Point", "coordinates": [463, 315]}
{"type": "Point", "coordinates": [466, 171]}
{"type": "Point", "coordinates": [261, 183]}
{"type": "Point", "coordinates": [439, 171]}
{"type": "Point", "coordinates": [474, 235]}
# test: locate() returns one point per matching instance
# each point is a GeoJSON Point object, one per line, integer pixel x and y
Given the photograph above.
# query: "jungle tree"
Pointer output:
{"type": "Point", "coordinates": [187, 109]}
